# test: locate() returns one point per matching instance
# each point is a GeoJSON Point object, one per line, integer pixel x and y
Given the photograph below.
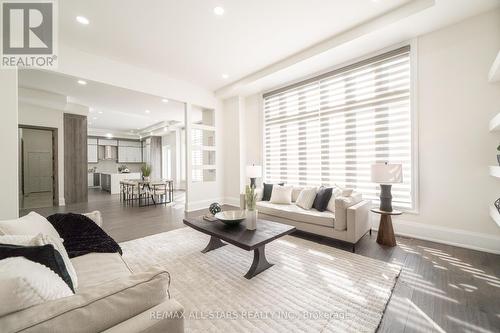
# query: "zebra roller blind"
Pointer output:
{"type": "Point", "coordinates": [330, 129]}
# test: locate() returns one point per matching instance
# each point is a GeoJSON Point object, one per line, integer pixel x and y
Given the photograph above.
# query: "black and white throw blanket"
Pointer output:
{"type": "Point", "coordinates": [81, 235]}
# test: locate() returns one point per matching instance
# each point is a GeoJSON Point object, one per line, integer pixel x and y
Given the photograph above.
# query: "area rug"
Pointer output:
{"type": "Point", "coordinates": [310, 288]}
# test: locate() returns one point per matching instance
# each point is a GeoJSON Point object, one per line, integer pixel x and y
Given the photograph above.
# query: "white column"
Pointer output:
{"type": "Point", "coordinates": [9, 195]}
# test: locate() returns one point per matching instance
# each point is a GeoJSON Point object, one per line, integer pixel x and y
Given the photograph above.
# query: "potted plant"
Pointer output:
{"type": "Point", "coordinates": [250, 199]}
{"type": "Point", "coordinates": [146, 172]}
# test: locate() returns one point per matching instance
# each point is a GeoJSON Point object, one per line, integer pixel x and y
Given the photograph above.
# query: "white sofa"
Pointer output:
{"type": "Point", "coordinates": [110, 298]}
{"type": "Point", "coordinates": [349, 222]}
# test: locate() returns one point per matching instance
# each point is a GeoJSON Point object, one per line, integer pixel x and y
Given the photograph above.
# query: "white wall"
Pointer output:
{"type": "Point", "coordinates": [454, 105]}
{"type": "Point", "coordinates": [40, 116]}
{"type": "Point", "coordinates": [9, 196]}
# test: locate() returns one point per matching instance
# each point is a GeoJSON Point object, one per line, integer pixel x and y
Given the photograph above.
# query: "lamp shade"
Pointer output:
{"type": "Point", "coordinates": [254, 171]}
{"type": "Point", "coordinates": [385, 173]}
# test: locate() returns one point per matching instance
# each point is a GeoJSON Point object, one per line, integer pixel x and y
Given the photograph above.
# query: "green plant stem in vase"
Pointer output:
{"type": "Point", "coordinates": [250, 200]}
{"type": "Point", "coordinates": [146, 171]}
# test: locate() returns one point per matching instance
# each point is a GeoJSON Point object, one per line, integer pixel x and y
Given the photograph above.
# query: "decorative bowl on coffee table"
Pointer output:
{"type": "Point", "coordinates": [231, 217]}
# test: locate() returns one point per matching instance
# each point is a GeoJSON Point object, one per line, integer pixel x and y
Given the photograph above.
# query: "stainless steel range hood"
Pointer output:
{"type": "Point", "coordinates": [108, 152]}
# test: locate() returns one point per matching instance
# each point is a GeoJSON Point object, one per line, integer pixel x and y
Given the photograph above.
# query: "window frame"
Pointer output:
{"type": "Point", "coordinates": [415, 197]}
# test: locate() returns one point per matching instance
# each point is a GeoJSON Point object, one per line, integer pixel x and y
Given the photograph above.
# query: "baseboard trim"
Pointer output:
{"type": "Point", "coordinates": [232, 201]}
{"type": "Point", "coordinates": [449, 236]}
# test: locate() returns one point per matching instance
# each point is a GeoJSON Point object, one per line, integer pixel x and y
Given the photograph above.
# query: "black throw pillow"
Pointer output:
{"type": "Point", "coordinates": [268, 190]}
{"type": "Point", "coordinates": [82, 236]}
{"type": "Point", "coordinates": [322, 198]}
{"type": "Point", "coordinates": [46, 255]}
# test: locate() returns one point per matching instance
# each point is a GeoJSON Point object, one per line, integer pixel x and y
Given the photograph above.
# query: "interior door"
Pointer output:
{"type": "Point", "coordinates": [39, 172]}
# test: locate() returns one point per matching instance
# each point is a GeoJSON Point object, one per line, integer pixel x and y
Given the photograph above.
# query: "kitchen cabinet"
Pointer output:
{"type": "Point", "coordinates": [129, 151]}
{"type": "Point", "coordinates": [108, 142]}
{"type": "Point", "coordinates": [92, 153]}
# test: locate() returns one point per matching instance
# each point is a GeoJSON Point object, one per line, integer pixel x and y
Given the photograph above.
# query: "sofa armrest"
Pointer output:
{"type": "Point", "coordinates": [358, 220]}
{"type": "Point", "coordinates": [165, 317]}
{"type": "Point", "coordinates": [96, 309]}
{"type": "Point", "coordinates": [341, 206]}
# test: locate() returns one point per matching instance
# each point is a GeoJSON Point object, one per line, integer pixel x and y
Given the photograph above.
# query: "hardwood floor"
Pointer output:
{"type": "Point", "coordinates": [441, 288]}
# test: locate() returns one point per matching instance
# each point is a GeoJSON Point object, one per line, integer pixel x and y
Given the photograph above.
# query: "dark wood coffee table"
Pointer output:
{"type": "Point", "coordinates": [239, 236]}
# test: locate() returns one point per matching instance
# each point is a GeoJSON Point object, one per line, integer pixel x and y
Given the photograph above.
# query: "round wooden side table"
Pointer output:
{"type": "Point", "coordinates": [385, 235]}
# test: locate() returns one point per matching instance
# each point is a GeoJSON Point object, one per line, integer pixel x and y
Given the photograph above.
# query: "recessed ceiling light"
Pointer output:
{"type": "Point", "coordinates": [82, 20]}
{"type": "Point", "coordinates": [147, 111]}
{"type": "Point", "coordinates": [225, 76]}
{"type": "Point", "coordinates": [109, 135]}
{"type": "Point", "coordinates": [164, 100]}
{"type": "Point", "coordinates": [165, 129]}
{"type": "Point", "coordinates": [100, 112]}
{"type": "Point", "coordinates": [219, 11]}
{"type": "Point", "coordinates": [82, 82]}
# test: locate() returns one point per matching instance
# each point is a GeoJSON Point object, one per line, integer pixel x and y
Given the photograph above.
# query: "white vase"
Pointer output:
{"type": "Point", "coordinates": [251, 220]}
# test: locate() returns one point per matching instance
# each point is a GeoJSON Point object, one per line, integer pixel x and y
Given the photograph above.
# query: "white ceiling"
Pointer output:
{"type": "Point", "coordinates": [111, 107]}
{"type": "Point", "coordinates": [185, 40]}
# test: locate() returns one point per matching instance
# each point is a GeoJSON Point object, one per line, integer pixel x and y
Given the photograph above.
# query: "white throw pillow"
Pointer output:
{"type": "Point", "coordinates": [24, 283]}
{"type": "Point", "coordinates": [336, 192]}
{"type": "Point", "coordinates": [306, 198]}
{"type": "Point", "coordinates": [34, 224]}
{"type": "Point", "coordinates": [281, 195]}
{"type": "Point", "coordinates": [295, 193]}
{"type": "Point", "coordinates": [31, 224]}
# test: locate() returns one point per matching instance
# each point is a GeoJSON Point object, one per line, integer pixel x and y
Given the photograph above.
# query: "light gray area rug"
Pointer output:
{"type": "Point", "coordinates": [310, 288]}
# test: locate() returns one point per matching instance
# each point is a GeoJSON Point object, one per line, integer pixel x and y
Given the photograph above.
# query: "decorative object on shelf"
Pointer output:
{"type": "Point", "coordinates": [497, 205]}
{"type": "Point", "coordinates": [498, 155]}
{"type": "Point", "coordinates": [386, 174]}
{"type": "Point", "coordinates": [214, 208]}
{"type": "Point", "coordinates": [250, 199]}
{"type": "Point", "coordinates": [254, 172]}
{"type": "Point", "coordinates": [231, 217]}
{"type": "Point", "coordinates": [146, 172]}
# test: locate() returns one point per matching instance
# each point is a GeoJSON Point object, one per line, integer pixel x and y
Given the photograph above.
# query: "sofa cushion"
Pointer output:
{"type": "Point", "coordinates": [35, 224]}
{"type": "Point", "coordinates": [96, 268]}
{"type": "Point", "coordinates": [336, 192]}
{"type": "Point", "coordinates": [281, 195]}
{"type": "Point", "coordinates": [268, 190]}
{"type": "Point", "coordinates": [96, 309]}
{"type": "Point", "coordinates": [31, 224]}
{"type": "Point", "coordinates": [306, 198]}
{"type": "Point", "coordinates": [295, 193]}
{"type": "Point", "coordinates": [322, 198]}
{"type": "Point", "coordinates": [25, 283]}
{"type": "Point", "coordinates": [293, 212]}
{"type": "Point", "coordinates": [45, 255]}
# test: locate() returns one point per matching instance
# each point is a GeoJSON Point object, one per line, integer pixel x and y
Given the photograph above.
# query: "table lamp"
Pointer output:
{"type": "Point", "coordinates": [254, 172]}
{"type": "Point", "coordinates": [386, 174]}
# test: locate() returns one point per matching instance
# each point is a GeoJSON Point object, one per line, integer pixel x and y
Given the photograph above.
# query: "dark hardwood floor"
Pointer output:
{"type": "Point", "coordinates": [441, 288]}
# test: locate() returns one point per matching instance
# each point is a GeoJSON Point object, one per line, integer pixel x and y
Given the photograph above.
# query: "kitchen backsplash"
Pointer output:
{"type": "Point", "coordinates": [112, 166]}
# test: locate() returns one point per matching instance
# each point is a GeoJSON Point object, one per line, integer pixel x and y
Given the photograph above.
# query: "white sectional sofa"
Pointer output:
{"type": "Point", "coordinates": [349, 222]}
{"type": "Point", "coordinates": [110, 298]}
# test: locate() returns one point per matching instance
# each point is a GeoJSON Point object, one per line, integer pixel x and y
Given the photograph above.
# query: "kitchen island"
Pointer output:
{"type": "Point", "coordinates": [111, 181]}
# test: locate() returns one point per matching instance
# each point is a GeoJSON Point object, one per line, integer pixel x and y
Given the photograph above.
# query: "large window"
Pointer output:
{"type": "Point", "coordinates": [330, 129]}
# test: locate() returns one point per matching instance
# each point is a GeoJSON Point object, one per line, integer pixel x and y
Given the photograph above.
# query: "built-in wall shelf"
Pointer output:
{"type": "Point", "coordinates": [494, 75]}
{"type": "Point", "coordinates": [495, 171]}
{"type": "Point", "coordinates": [495, 216]}
{"type": "Point", "coordinates": [495, 123]}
